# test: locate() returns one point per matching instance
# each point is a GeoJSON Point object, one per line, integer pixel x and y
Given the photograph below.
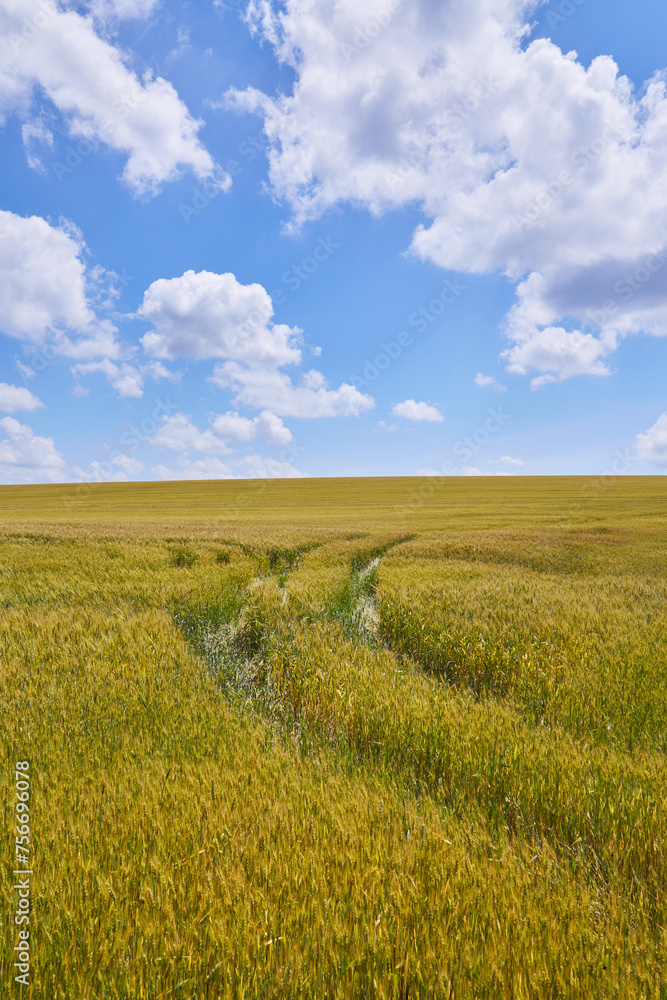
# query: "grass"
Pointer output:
{"type": "Point", "coordinates": [339, 739]}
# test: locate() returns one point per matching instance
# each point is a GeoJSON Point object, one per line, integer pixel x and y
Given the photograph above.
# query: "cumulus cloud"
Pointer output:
{"type": "Point", "coordinates": [44, 289]}
{"type": "Point", "coordinates": [179, 433]}
{"type": "Point", "coordinates": [116, 469]}
{"type": "Point", "coordinates": [443, 105]}
{"type": "Point", "coordinates": [205, 315]}
{"type": "Point", "coordinates": [252, 467]}
{"type": "Point", "coordinates": [267, 426]}
{"type": "Point", "coordinates": [255, 387]}
{"type": "Point", "coordinates": [560, 354]}
{"type": "Point", "coordinates": [129, 465]}
{"type": "Point", "coordinates": [412, 410]}
{"type": "Point", "coordinates": [652, 445]}
{"type": "Point", "coordinates": [13, 397]}
{"type": "Point", "coordinates": [489, 382]}
{"type": "Point", "coordinates": [25, 457]}
{"type": "Point", "coordinates": [556, 352]}
{"type": "Point", "coordinates": [256, 467]}
{"type": "Point", "coordinates": [126, 379]}
{"type": "Point", "coordinates": [505, 460]}
{"type": "Point", "coordinates": [55, 51]}
{"type": "Point", "coordinates": [206, 468]}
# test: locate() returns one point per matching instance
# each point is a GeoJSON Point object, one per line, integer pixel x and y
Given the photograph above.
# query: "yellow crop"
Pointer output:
{"type": "Point", "coordinates": [338, 738]}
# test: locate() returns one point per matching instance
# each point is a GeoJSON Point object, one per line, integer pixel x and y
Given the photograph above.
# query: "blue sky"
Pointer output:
{"type": "Point", "coordinates": [371, 238]}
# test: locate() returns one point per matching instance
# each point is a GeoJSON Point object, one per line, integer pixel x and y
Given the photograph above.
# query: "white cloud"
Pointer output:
{"type": "Point", "coordinates": [183, 43]}
{"type": "Point", "coordinates": [117, 469]}
{"type": "Point", "coordinates": [121, 10]}
{"type": "Point", "coordinates": [43, 288]}
{"type": "Point", "coordinates": [652, 445]}
{"type": "Point", "coordinates": [131, 466]}
{"type": "Point", "coordinates": [508, 146]}
{"type": "Point", "coordinates": [179, 433]}
{"type": "Point", "coordinates": [470, 470]}
{"type": "Point", "coordinates": [540, 346]}
{"type": "Point", "coordinates": [36, 135]}
{"type": "Point", "coordinates": [255, 467]}
{"type": "Point", "coordinates": [489, 382]}
{"type": "Point", "coordinates": [411, 410]}
{"type": "Point", "coordinates": [14, 397]}
{"type": "Point", "coordinates": [252, 467]}
{"type": "Point", "coordinates": [25, 370]}
{"type": "Point", "coordinates": [505, 460]}
{"type": "Point", "coordinates": [206, 315]}
{"type": "Point", "coordinates": [267, 426]}
{"type": "Point", "coordinates": [255, 387]}
{"type": "Point", "coordinates": [207, 468]}
{"type": "Point", "coordinates": [52, 50]}
{"type": "Point", "coordinates": [559, 354]}
{"type": "Point", "coordinates": [126, 379]}
{"type": "Point", "coordinates": [25, 457]}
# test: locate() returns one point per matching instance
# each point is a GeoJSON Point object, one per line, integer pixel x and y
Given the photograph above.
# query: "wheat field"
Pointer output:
{"type": "Point", "coordinates": [355, 738]}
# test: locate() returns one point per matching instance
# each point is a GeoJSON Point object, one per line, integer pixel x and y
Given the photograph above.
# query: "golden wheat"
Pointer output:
{"type": "Point", "coordinates": [338, 738]}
